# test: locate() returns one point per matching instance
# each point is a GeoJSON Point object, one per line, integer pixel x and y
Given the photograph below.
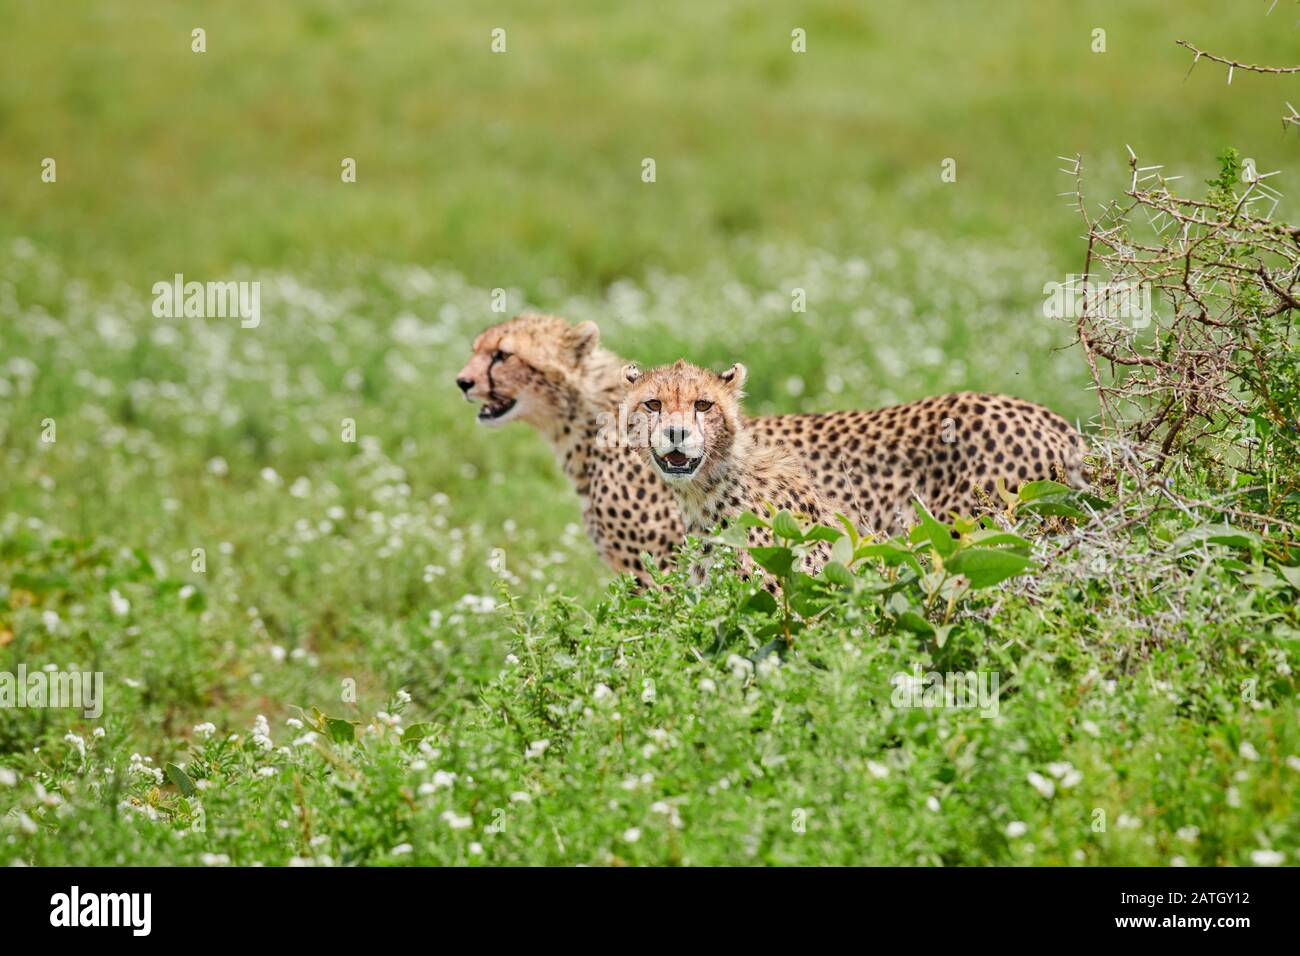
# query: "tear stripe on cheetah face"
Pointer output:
{"type": "Point", "coordinates": [867, 464]}
{"type": "Point", "coordinates": [736, 471]}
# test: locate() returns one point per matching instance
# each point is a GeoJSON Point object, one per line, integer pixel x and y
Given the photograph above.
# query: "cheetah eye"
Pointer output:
{"type": "Point", "coordinates": [653, 404]}
{"type": "Point", "coordinates": [703, 406]}
{"type": "Point", "coordinates": [500, 356]}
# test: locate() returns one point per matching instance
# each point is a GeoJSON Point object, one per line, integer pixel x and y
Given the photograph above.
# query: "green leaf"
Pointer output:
{"type": "Point", "coordinates": [761, 600]}
{"type": "Point", "coordinates": [777, 561]}
{"type": "Point", "coordinates": [1265, 579]}
{"type": "Point", "coordinates": [734, 535]}
{"type": "Point", "coordinates": [911, 621]}
{"type": "Point", "coordinates": [819, 532]}
{"type": "Point", "coordinates": [837, 574]}
{"type": "Point", "coordinates": [995, 538]}
{"type": "Point", "coordinates": [808, 603]}
{"type": "Point", "coordinates": [850, 528]}
{"type": "Point", "coordinates": [1292, 575]}
{"type": "Point", "coordinates": [784, 526]}
{"type": "Point", "coordinates": [892, 554]}
{"type": "Point", "coordinates": [1224, 534]}
{"type": "Point", "coordinates": [1032, 490]}
{"type": "Point", "coordinates": [1055, 506]}
{"type": "Point", "coordinates": [940, 534]}
{"type": "Point", "coordinates": [182, 780]}
{"type": "Point", "coordinates": [985, 567]}
{"type": "Point", "coordinates": [842, 550]}
{"type": "Point", "coordinates": [413, 734]}
{"type": "Point", "coordinates": [341, 731]}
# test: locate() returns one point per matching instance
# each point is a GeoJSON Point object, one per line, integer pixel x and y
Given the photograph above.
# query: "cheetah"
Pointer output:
{"type": "Point", "coordinates": [948, 450]}
{"type": "Point", "coordinates": [693, 435]}
{"type": "Point", "coordinates": [554, 376]}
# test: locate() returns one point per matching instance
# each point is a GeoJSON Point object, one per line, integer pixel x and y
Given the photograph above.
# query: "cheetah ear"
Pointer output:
{"type": "Point", "coordinates": [735, 376]}
{"type": "Point", "coordinates": [631, 374]}
{"type": "Point", "coordinates": [585, 336]}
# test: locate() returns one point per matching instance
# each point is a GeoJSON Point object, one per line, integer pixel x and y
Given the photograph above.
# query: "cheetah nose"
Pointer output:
{"type": "Point", "coordinates": [676, 434]}
{"type": "Point", "coordinates": [465, 384]}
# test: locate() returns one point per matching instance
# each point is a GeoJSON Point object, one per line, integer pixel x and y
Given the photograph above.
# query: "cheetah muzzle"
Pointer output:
{"type": "Point", "coordinates": [495, 409]}
{"type": "Point", "coordinates": [676, 464]}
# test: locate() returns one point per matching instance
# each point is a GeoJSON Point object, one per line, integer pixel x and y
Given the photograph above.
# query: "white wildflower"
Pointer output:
{"type": "Point", "coordinates": [1040, 783]}
{"type": "Point", "coordinates": [536, 749]}
{"type": "Point", "coordinates": [262, 733]}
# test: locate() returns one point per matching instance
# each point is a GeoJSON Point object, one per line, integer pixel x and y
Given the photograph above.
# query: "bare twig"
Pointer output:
{"type": "Point", "coordinates": [1234, 64]}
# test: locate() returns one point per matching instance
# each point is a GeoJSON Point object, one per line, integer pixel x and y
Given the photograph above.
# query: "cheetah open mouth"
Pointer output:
{"type": "Point", "coordinates": [494, 409]}
{"type": "Point", "coordinates": [676, 463]}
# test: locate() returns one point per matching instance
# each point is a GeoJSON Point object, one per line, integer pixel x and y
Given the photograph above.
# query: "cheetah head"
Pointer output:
{"type": "Point", "coordinates": [684, 418]}
{"type": "Point", "coordinates": [527, 368]}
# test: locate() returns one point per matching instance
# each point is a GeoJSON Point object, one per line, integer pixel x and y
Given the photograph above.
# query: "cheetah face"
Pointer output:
{"type": "Point", "coordinates": [685, 418]}
{"type": "Point", "coordinates": [677, 446]}
{"type": "Point", "coordinates": [525, 368]}
{"type": "Point", "coordinates": [502, 382]}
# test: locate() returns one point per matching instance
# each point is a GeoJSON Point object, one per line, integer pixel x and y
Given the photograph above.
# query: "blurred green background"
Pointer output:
{"type": "Point", "coordinates": [525, 166]}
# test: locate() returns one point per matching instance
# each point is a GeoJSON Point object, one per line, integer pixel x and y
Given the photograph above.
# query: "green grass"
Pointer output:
{"type": "Point", "coordinates": [1166, 681]}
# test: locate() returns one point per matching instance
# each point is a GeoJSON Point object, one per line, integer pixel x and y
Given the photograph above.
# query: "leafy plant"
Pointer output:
{"type": "Point", "coordinates": [928, 572]}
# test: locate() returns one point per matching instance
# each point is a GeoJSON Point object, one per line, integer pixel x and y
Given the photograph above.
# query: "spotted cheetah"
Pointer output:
{"type": "Point", "coordinates": [867, 465]}
{"type": "Point", "coordinates": [555, 376]}
{"type": "Point", "coordinates": [692, 434]}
